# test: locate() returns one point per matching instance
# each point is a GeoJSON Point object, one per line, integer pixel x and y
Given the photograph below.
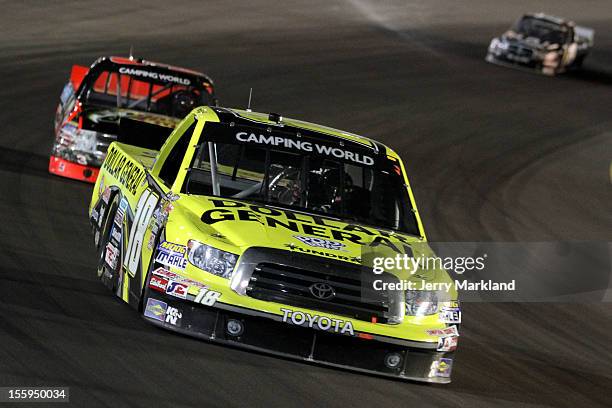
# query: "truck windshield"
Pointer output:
{"type": "Point", "coordinates": [317, 183]}
{"type": "Point", "coordinates": [545, 31]}
{"type": "Point", "coordinates": [147, 94]}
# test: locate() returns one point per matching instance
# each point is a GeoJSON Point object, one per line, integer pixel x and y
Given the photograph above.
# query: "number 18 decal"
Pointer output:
{"type": "Point", "coordinates": [207, 297]}
{"type": "Point", "coordinates": [144, 211]}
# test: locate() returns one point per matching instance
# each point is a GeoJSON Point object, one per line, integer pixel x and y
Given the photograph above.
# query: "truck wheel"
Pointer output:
{"type": "Point", "coordinates": [107, 274]}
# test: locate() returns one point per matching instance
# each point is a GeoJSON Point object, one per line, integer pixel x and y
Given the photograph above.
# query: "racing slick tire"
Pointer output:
{"type": "Point", "coordinates": [108, 274]}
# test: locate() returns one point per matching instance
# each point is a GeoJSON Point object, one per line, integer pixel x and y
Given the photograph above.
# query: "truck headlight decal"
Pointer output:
{"type": "Point", "coordinates": [211, 259]}
{"type": "Point", "coordinates": [421, 302]}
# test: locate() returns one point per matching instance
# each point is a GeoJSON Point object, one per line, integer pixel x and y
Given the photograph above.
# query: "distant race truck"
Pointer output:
{"type": "Point", "coordinates": [550, 45]}
{"type": "Point", "coordinates": [126, 99]}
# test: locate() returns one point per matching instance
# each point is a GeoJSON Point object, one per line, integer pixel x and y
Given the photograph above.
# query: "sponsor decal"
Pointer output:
{"type": "Point", "coordinates": [111, 256]}
{"type": "Point", "coordinates": [177, 289]}
{"type": "Point", "coordinates": [447, 343]}
{"type": "Point", "coordinates": [100, 216]}
{"type": "Point", "coordinates": [124, 169]}
{"type": "Point", "coordinates": [305, 146]}
{"type": "Point", "coordinates": [171, 254]}
{"type": "Point", "coordinates": [118, 218]}
{"type": "Point", "coordinates": [295, 248]}
{"type": "Point", "coordinates": [299, 223]}
{"type": "Point", "coordinates": [446, 332]}
{"type": "Point", "coordinates": [160, 216]}
{"type": "Point", "coordinates": [320, 242]}
{"type": "Point", "coordinates": [139, 72]}
{"type": "Point", "coordinates": [450, 315]}
{"type": "Point", "coordinates": [317, 322]}
{"type": "Point", "coordinates": [443, 367]}
{"type": "Point", "coordinates": [123, 204]}
{"type": "Point", "coordinates": [94, 215]}
{"type": "Point", "coordinates": [207, 297]}
{"type": "Point", "coordinates": [153, 224]}
{"type": "Point", "coordinates": [158, 283]}
{"type": "Point", "coordinates": [151, 240]}
{"type": "Point", "coordinates": [61, 167]}
{"type": "Point", "coordinates": [156, 309]}
{"type": "Point", "coordinates": [173, 316]}
{"type": "Point", "coordinates": [106, 195]}
{"type": "Point", "coordinates": [177, 278]}
{"type": "Point", "coordinates": [101, 186]}
{"type": "Point", "coordinates": [116, 234]}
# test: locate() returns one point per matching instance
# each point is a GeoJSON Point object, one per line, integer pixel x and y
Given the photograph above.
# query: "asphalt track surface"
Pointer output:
{"type": "Point", "coordinates": [493, 154]}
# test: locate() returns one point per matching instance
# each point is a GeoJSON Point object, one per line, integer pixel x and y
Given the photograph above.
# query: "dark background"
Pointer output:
{"type": "Point", "coordinates": [493, 154]}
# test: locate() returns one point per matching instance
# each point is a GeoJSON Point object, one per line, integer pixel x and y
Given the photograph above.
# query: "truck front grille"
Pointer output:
{"type": "Point", "coordinates": [294, 286]}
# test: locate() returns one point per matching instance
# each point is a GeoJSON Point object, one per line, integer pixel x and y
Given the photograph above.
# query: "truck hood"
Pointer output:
{"type": "Point", "coordinates": [235, 225]}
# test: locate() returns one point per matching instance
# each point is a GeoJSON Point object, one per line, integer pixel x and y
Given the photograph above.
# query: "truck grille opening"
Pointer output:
{"type": "Point", "coordinates": [293, 286]}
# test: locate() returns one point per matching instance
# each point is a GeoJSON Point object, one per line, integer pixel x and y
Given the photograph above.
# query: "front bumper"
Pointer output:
{"type": "Point", "coordinates": [65, 168]}
{"type": "Point", "coordinates": [267, 334]}
{"type": "Point", "coordinates": [507, 59]}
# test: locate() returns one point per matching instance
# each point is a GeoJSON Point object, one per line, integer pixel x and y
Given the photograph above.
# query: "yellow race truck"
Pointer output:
{"type": "Point", "coordinates": [258, 231]}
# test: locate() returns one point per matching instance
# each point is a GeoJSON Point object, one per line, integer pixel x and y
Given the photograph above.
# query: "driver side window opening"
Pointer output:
{"type": "Point", "coordinates": [172, 165]}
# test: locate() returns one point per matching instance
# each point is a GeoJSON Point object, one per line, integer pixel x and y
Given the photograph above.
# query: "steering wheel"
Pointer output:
{"type": "Point", "coordinates": [290, 192]}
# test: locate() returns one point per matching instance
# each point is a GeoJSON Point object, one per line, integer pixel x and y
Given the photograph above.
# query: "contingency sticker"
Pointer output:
{"type": "Point", "coordinates": [177, 289]}
{"type": "Point", "coordinates": [450, 315]}
{"type": "Point", "coordinates": [171, 254]}
{"type": "Point", "coordinates": [320, 242]}
{"type": "Point", "coordinates": [446, 332]}
{"type": "Point", "coordinates": [156, 309]}
{"type": "Point", "coordinates": [111, 256]}
{"type": "Point", "coordinates": [164, 273]}
{"type": "Point", "coordinates": [447, 343]}
{"type": "Point", "coordinates": [443, 367]}
{"type": "Point", "coordinates": [158, 283]}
